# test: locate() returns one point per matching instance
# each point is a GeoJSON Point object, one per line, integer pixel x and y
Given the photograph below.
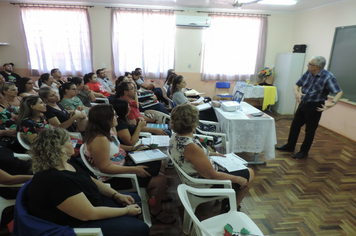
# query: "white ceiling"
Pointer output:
{"type": "Point", "coordinates": [302, 5]}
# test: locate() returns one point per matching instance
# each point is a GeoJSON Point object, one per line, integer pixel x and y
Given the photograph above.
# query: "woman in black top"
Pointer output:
{"type": "Point", "coordinates": [63, 193]}
{"type": "Point", "coordinates": [60, 117]}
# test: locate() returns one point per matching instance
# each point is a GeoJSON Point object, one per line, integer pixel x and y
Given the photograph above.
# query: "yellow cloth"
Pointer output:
{"type": "Point", "coordinates": [269, 96]}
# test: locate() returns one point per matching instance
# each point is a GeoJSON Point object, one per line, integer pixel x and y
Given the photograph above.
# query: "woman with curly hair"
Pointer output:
{"type": "Point", "coordinates": [194, 159]}
{"type": "Point", "coordinates": [63, 193]}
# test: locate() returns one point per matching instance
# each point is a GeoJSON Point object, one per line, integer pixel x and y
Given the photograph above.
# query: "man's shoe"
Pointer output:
{"type": "Point", "coordinates": [300, 155]}
{"type": "Point", "coordinates": [285, 148]}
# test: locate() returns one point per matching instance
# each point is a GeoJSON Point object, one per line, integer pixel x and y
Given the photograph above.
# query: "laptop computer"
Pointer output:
{"type": "Point", "coordinates": [238, 96]}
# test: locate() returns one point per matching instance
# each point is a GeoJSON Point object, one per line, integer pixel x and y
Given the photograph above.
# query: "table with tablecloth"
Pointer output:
{"type": "Point", "coordinates": [268, 93]}
{"type": "Point", "coordinates": [246, 134]}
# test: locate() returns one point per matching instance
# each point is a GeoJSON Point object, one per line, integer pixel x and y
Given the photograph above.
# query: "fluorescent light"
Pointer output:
{"type": "Point", "coordinates": [278, 2]}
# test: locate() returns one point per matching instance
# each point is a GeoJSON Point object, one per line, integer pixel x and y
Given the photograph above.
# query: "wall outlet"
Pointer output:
{"type": "Point", "coordinates": [102, 65]}
{"type": "Point", "coordinates": [189, 65]}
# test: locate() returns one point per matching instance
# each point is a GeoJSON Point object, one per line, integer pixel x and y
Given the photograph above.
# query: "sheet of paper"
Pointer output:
{"type": "Point", "coordinates": [192, 91]}
{"type": "Point", "coordinates": [204, 106]}
{"type": "Point", "coordinates": [161, 140]}
{"type": "Point", "coordinates": [199, 100]}
{"type": "Point", "coordinates": [146, 141]}
{"type": "Point", "coordinates": [231, 162]}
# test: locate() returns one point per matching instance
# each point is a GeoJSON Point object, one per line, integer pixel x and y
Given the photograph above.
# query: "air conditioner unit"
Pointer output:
{"type": "Point", "coordinates": [193, 21]}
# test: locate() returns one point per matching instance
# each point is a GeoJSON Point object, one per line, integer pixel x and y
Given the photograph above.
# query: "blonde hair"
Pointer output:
{"type": "Point", "coordinates": [184, 118]}
{"type": "Point", "coordinates": [47, 149]}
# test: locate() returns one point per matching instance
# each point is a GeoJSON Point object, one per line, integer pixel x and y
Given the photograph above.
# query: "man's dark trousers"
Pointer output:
{"type": "Point", "coordinates": [306, 114]}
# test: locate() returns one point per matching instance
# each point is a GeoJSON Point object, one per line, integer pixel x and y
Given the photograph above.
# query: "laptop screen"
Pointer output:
{"type": "Point", "coordinates": [238, 96]}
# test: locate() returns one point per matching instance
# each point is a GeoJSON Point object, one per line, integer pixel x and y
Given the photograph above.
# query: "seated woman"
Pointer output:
{"type": "Point", "coordinates": [69, 100]}
{"type": "Point", "coordinates": [8, 127]}
{"type": "Point", "coordinates": [84, 93]}
{"type": "Point", "coordinates": [99, 91]}
{"type": "Point", "coordinates": [31, 120]}
{"type": "Point", "coordinates": [60, 117]}
{"type": "Point", "coordinates": [47, 80]}
{"type": "Point", "coordinates": [169, 85]}
{"type": "Point", "coordinates": [168, 82]}
{"type": "Point", "coordinates": [26, 87]}
{"type": "Point", "coordinates": [194, 159]}
{"type": "Point", "coordinates": [121, 79]}
{"type": "Point", "coordinates": [104, 152]}
{"type": "Point", "coordinates": [63, 193]}
{"type": "Point", "coordinates": [9, 92]}
{"type": "Point", "coordinates": [179, 98]}
{"type": "Point", "coordinates": [127, 132]}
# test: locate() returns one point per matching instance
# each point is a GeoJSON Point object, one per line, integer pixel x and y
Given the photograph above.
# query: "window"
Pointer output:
{"type": "Point", "coordinates": [143, 39]}
{"type": "Point", "coordinates": [234, 47]}
{"type": "Point", "coordinates": [57, 38]}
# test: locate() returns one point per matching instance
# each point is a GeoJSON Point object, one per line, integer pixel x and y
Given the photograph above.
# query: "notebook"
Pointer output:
{"type": "Point", "coordinates": [157, 126]}
{"type": "Point", "coordinates": [231, 162]}
{"type": "Point", "coordinates": [161, 140]}
{"type": "Point", "coordinates": [147, 156]}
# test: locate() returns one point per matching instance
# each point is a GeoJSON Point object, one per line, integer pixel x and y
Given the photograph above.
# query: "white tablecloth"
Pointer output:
{"type": "Point", "coordinates": [248, 134]}
{"type": "Point", "coordinates": [251, 91]}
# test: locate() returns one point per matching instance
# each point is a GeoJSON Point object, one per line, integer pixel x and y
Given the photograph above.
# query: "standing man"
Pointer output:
{"type": "Point", "coordinates": [311, 91]}
{"type": "Point", "coordinates": [9, 75]}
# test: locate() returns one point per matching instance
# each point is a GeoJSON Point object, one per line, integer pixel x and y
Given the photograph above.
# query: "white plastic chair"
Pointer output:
{"type": "Point", "coordinates": [157, 115]}
{"type": "Point", "coordinates": [22, 141]}
{"type": "Point", "coordinates": [214, 226]}
{"type": "Point", "coordinates": [194, 199]}
{"type": "Point", "coordinates": [22, 156]}
{"type": "Point", "coordinates": [26, 146]}
{"type": "Point", "coordinates": [135, 187]}
{"type": "Point", "coordinates": [224, 142]}
{"type": "Point", "coordinates": [171, 103]}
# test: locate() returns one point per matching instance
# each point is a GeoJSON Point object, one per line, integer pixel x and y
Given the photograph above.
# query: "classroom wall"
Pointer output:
{"type": "Point", "coordinates": [316, 29]}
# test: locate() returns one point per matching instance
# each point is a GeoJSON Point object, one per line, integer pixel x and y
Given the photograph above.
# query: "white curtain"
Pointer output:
{"type": "Point", "coordinates": [57, 38]}
{"type": "Point", "coordinates": [143, 39]}
{"type": "Point", "coordinates": [234, 47]}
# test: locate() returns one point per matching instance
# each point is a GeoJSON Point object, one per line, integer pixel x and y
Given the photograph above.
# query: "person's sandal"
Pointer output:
{"type": "Point", "coordinates": [163, 217]}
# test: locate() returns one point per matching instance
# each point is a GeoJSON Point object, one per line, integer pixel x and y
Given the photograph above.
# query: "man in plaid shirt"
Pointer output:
{"type": "Point", "coordinates": [311, 91]}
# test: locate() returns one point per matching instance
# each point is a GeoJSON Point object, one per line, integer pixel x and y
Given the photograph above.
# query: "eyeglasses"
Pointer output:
{"type": "Point", "coordinates": [30, 83]}
{"type": "Point", "coordinates": [311, 64]}
{"type": "Point", "coordinates": [74, 89]}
